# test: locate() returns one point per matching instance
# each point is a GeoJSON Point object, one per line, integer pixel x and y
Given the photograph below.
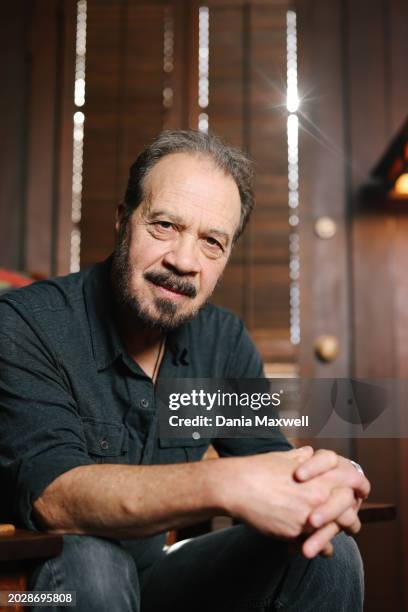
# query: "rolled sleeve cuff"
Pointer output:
{"type": "Point", "coordinates": [34, 477]}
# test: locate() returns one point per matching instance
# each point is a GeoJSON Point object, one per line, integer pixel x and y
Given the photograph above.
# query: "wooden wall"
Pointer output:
{"type": "Point", "coordinates": [355, 82]}
{"type": "Point", "coordinates": [247, 80]}
{"type": "Point", "coordinates": [123, 109]}
{"type": "Point", "coordinates": [37, 73]}
{"type": "Point", "coordinates": [247, 107]}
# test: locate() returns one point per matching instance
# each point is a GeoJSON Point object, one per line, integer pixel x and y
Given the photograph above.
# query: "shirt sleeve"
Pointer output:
{"type": "Point", "coordinates": [41, 434]}
{"type": "Point", "coordinates": [245, 362]}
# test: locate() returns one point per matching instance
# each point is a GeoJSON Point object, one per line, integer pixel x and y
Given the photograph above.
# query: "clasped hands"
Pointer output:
{"type": "Point", "coordinates": [343, 489]}
{"type": "Point", "coordinates": [300, 495]}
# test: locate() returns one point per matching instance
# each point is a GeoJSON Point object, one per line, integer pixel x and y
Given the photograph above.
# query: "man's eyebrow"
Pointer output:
{"type": "Point", "coordinates": [166, 213]}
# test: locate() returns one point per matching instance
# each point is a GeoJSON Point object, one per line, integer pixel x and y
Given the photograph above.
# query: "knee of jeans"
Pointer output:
{"type": "Point", "coordinates": [103, 574]}
{"type": "Point", "coordinates": [347, 562]}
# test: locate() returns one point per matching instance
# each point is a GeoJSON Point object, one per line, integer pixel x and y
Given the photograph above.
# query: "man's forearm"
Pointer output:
{"type": "Point", "coordinates": [130, 501]}
{"type": "Point", "coordinates": [261, 490]}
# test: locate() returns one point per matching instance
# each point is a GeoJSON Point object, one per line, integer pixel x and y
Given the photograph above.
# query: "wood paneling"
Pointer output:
{"type": "Point", "coordinates": [124, 111]}
{"type": "Point", "coordinates": [397, 76]}
{"type": "Point", "coordinates": [227, 73]}
{"type": "Point", "coordinates": [64, 141]}
{"type": "Point", "coordinates": [41, 143]}
{"type": "Point", "coordinates": [400, 332]}
{"type": "Point", "coordinates": [324, 277]}
{"type": "Point", "coordinates": [354, 285]}
{"type": "Point", "coordinates": [36, 120]}
{"type": "Point", "coordinates": [227, 111]}
{"type": "Point", "coordinates": [50, 113]}
{"type": "Point", "coordinates": [248, 108]}
{"type": "Point", "coordinates": [269, 229]}
{"type": "Point", "coordinates": [106, 33]}
{"type": "Point", "coordinates": [13, 74]}
{"type": "Point", "coordinates": [374, 350]}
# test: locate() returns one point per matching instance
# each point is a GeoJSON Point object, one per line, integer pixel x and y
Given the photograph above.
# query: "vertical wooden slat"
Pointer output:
{"type": "Point", "coordinates": [268, 260]}
{"type": "Point", "coordinates": [226, 73]}
{"type": "Point", "coordinates": [191, 62]}
{"type": "Point", "coordinates": [184, 111]}
{"type": "Point", "coordinates": [368, 94]}
{"type": "Point", "coordinates": [400, 324]}
{"type": "Point", "coordinates": [105, 40]}
{"type": "Point", "coordinates": [247, 107]}
{"type": "Point", "coordinates": [226, 108]}
{"type": "Point", "coordinates": [63, 223]}
{"type": "Point", "coordinates": [142, 113]}
{"type": "Point", "coordinates": [42, 138]}
{"type": "Point", "coordinates": [371, 233]}
{"type": "Point", "coordinates": [49, 157]}
{"type": "Point", "coordinates": [372, 239]}
{"type": "Point", "coordinates": [398, 83]}
{"type": "Point", "coordinates": [324, 274]}
{"type": "Point", "coordinates": [13, 121]}
{"type": "Point", "coordinates": [322, 160]}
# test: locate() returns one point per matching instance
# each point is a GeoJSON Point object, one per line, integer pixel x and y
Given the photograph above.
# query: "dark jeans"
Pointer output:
{"type": "Point", "coordinates": [225, 571]}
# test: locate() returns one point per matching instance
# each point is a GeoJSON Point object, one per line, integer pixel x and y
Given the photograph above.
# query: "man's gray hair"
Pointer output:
{"type": "Point", "coordinates": [232, 161]}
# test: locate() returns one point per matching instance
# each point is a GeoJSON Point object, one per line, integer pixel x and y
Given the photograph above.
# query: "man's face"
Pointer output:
{"type": "Point", "coordinates": [177, 242]}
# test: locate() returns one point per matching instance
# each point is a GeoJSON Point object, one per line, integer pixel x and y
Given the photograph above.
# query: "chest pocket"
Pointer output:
{"type": "Point", "coordinates": [106, 442]}
{"type": "Point", "coordinates": [180, 450]}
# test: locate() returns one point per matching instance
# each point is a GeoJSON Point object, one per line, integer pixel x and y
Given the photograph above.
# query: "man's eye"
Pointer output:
{"type": "Point", "coordinates": [214, 244]}
{"type": "Point", "coordinates": [164, 225]}
{"type": "Point", "coordinates": [162, 230]}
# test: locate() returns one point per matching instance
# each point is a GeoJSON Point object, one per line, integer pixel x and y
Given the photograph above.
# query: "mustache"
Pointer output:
{"type": "Point", "coordinates": [172, 282]}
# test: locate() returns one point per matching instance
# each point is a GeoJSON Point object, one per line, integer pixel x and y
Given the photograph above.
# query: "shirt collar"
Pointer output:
{"type": "Point", "coordinates": [106, 343]}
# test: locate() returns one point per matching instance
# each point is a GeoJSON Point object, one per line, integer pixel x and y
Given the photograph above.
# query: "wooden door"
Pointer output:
{"type": "Point", "coordinates": [354, 285]}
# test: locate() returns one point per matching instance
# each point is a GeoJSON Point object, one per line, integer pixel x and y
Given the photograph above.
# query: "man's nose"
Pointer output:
{"type": "Point", "coordinates": [183, 255]}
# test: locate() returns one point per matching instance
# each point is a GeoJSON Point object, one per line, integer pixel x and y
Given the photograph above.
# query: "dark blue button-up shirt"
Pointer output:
{"type": "Point", "coordinates": [70, 395]}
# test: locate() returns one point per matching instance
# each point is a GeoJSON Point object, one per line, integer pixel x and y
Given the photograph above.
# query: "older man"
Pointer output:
{"type": "Point", "coordinates": [79, 451]}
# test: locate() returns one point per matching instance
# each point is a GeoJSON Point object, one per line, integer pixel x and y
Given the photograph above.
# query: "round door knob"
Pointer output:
{"type": "Point", "coordinates": [327, 348]}
{"type": "Point", "coordinates": [325, 227]}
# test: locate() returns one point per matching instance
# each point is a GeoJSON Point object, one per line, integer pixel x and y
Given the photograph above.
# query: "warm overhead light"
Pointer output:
{"type": "Point", "coordinates": [401, 186]}
{"type": "Point", "coordinates": [390, 176]}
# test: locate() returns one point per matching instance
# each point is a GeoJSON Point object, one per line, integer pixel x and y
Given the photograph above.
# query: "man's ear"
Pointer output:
{"type": "Point", "coordinates": [120, 211]}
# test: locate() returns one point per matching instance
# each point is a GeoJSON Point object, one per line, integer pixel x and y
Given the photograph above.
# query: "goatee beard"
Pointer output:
{"type": "Point", "coordinates": [167, 318]}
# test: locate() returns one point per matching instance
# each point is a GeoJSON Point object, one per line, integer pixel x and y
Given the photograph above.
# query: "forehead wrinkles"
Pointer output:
{"type": "Point", "coordinates": [185, 201]}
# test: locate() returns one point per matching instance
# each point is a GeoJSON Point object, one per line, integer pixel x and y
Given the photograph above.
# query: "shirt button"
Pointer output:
{"type": "Point", "coordinates": [144, 403]}
{"type": "Point", "coordinates": [104, 444]}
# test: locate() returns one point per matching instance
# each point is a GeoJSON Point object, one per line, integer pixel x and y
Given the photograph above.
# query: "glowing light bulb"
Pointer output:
{"type": "Point", "coordinates": [401, 185]}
